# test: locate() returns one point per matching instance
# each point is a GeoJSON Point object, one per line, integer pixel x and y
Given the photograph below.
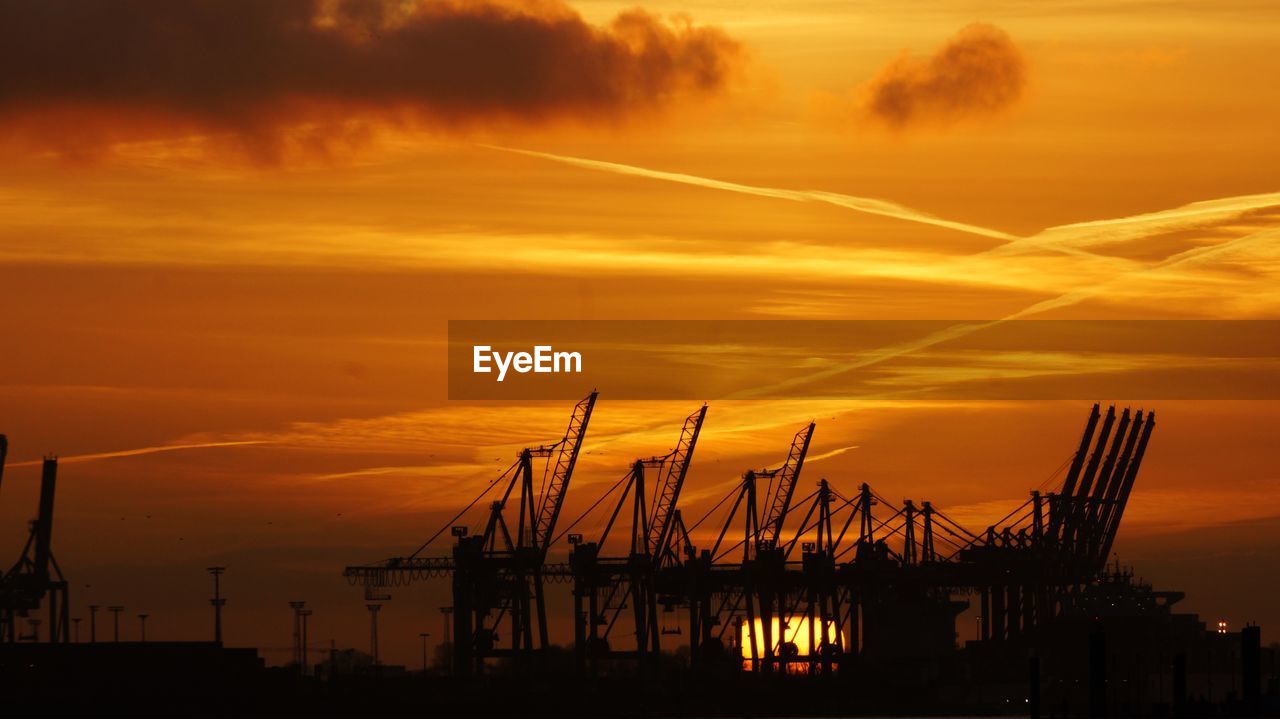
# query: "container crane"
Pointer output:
{"type": "Point", "coordinates": [36, 575]}
{"type": "Point", "coordinates": [497, 574]}
{"type": "Point", "coordinates": [603, 586]}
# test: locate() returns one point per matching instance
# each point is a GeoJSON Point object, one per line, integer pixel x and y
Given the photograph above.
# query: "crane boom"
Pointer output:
{"type": "Point", "coordinates": [668, 492]}
{"type": "Point", "coordinates": [1063, 502]}
{"type": "Point", "coordinates": [566, 455]}
{"type": "Point", "coordinates": [787, 476]}
{"type": "Point", "coordinates": [1122, 500]}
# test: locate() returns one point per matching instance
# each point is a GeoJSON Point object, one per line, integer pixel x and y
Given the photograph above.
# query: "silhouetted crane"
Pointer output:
{"type": "Point", "coordinates": [36, 575]}
{"type": "Point", "coordinates": [497, 576]}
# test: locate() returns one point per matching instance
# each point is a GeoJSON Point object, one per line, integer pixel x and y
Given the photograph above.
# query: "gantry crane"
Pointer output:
{"type": "Point", "coordinates": [498, 576]}
{"type": "Point", "coordinates": [1029, 570]}
{"type": "Point", "coordinates": [36, 575]}
{"type": "Point", "coordinates": [755, 590]}
{"type": "Point", "coordinates": [889, 592]}
{"type": "Point", "coordinates": [603, 585]}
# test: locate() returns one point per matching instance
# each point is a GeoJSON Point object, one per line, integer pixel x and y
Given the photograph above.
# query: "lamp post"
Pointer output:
{"type": "Point", "coordinates": [115, 621]}
{"type": "Point", "coordinates": [300, 614]}
{"type": "Point", "coordinates": [75, 623]}
{"type": "Point", "coordinates": [424, 636]}
{"type": "Point", "coordinates": [142, 620]}
{"type": "Point", "coordinates": [373, 631]}
{"type": "Point", "coordinates": [93, 623]}
{"type": "Point", "coordinates": [446, 613]}
{"type": "Point", "coordinates": [217, 603]}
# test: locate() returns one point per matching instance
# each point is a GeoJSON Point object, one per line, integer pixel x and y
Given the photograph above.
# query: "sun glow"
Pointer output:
{"type": "Point", "coordinates": [794, 640]}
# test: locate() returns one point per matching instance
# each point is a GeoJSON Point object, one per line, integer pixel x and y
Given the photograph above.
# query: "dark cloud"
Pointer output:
{"type": "Point", "coordinates": [142, 68]}
{"type": "Point", "coordinates": [979, 71]}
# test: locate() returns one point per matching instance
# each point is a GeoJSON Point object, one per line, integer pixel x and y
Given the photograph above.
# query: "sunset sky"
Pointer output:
{"type": "Point", "coordinates": [226, 266]}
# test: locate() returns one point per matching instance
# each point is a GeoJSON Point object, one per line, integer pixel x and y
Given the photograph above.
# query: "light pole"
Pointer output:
{"type": "Point", "coordinates": [115, 621]}
{"type": "Point", "coordinates": [424, 636]}
{"type": "Point", "coordinates": [373, 631]}
{"type": "Point", "coordinates": [217, 603]}
{"type": "Point", "coordinates": [304, 613]}
{"type": "Point", "coordinates": [297, 632]}
{"type": "Point", "coordinates": [445, 613]}
{"type": "Point", "coordinates": [142, 619]}
{"type": "Point", "coordinates": [75, 622]}
{"type": "Point", "coordinates": [93, 623]}
{"type": "Point", "coordinates": [300, 614]}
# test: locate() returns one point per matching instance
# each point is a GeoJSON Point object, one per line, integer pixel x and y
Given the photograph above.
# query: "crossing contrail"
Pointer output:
{"type": "Point", "coordinates": [1071, 239]}
{"type": "Point", "coordinates": [141, 451]}
{"type": "Point", "coordinates": [1093, 233]}
{"type": "Point", "coordinates": [1198, 255]}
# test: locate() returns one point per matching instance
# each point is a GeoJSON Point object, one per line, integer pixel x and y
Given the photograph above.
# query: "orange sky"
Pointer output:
{"type": "Point", "coordinates": [166, 284]}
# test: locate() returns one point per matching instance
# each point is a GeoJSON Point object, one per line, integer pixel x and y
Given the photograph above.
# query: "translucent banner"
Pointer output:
{"type": "Point", "coordinates": [865, 359]}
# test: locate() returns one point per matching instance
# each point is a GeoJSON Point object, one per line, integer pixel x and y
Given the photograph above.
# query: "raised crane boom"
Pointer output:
{"type": "Point", "coordinates": [1126, 486]}
{"type": "Point", "coordinates": [565, 458]}
{"type": "Point", "coordinates": [787, 476]}
{"type": "Point", "coordinates": [668, 492]}
{"type": "Point", "coordinates": [36, 575]}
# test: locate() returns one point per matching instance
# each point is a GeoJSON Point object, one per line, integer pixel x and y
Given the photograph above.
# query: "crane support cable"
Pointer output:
{"type": "Point", "coordinates": [946, 518]}
{"type": "Point", "coordinates": [592, 508]}
{"type": "Point", "coordinates": [1056, 473]}
{"type": "Point", "coordinates": [465, 509]}
{"type": "Point", "coordinates": [711, 511]}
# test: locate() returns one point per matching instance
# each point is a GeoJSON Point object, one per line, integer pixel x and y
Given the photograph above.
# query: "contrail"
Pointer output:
{"type": "Point", "coordinates": [1071, 239]}
{"type": "Point", "coordinates": [1134, 227]}
{"type": "Point", "coordinates": [140, 451]}
{"type": "Point", "coordinates": [867, 205]}
{"type": "Point", "coordinates": [1182, 259]}
{"type": "Point", "coordinates": [828, 455]}
{"type": "Point", "coordinates": [1068, 239]}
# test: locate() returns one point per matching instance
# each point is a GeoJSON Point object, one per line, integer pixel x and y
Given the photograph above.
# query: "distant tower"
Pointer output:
{"type": "Point", "coordinates": [446, 613]}
{"type": "Point", "coordinates": [373, 631]}
{"type": "Point", "coordinates": [217, 603]}
{"type": "Point", "coordinates": [115, 621]}
{"type": "Point", "coordinates": [300, 614]}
